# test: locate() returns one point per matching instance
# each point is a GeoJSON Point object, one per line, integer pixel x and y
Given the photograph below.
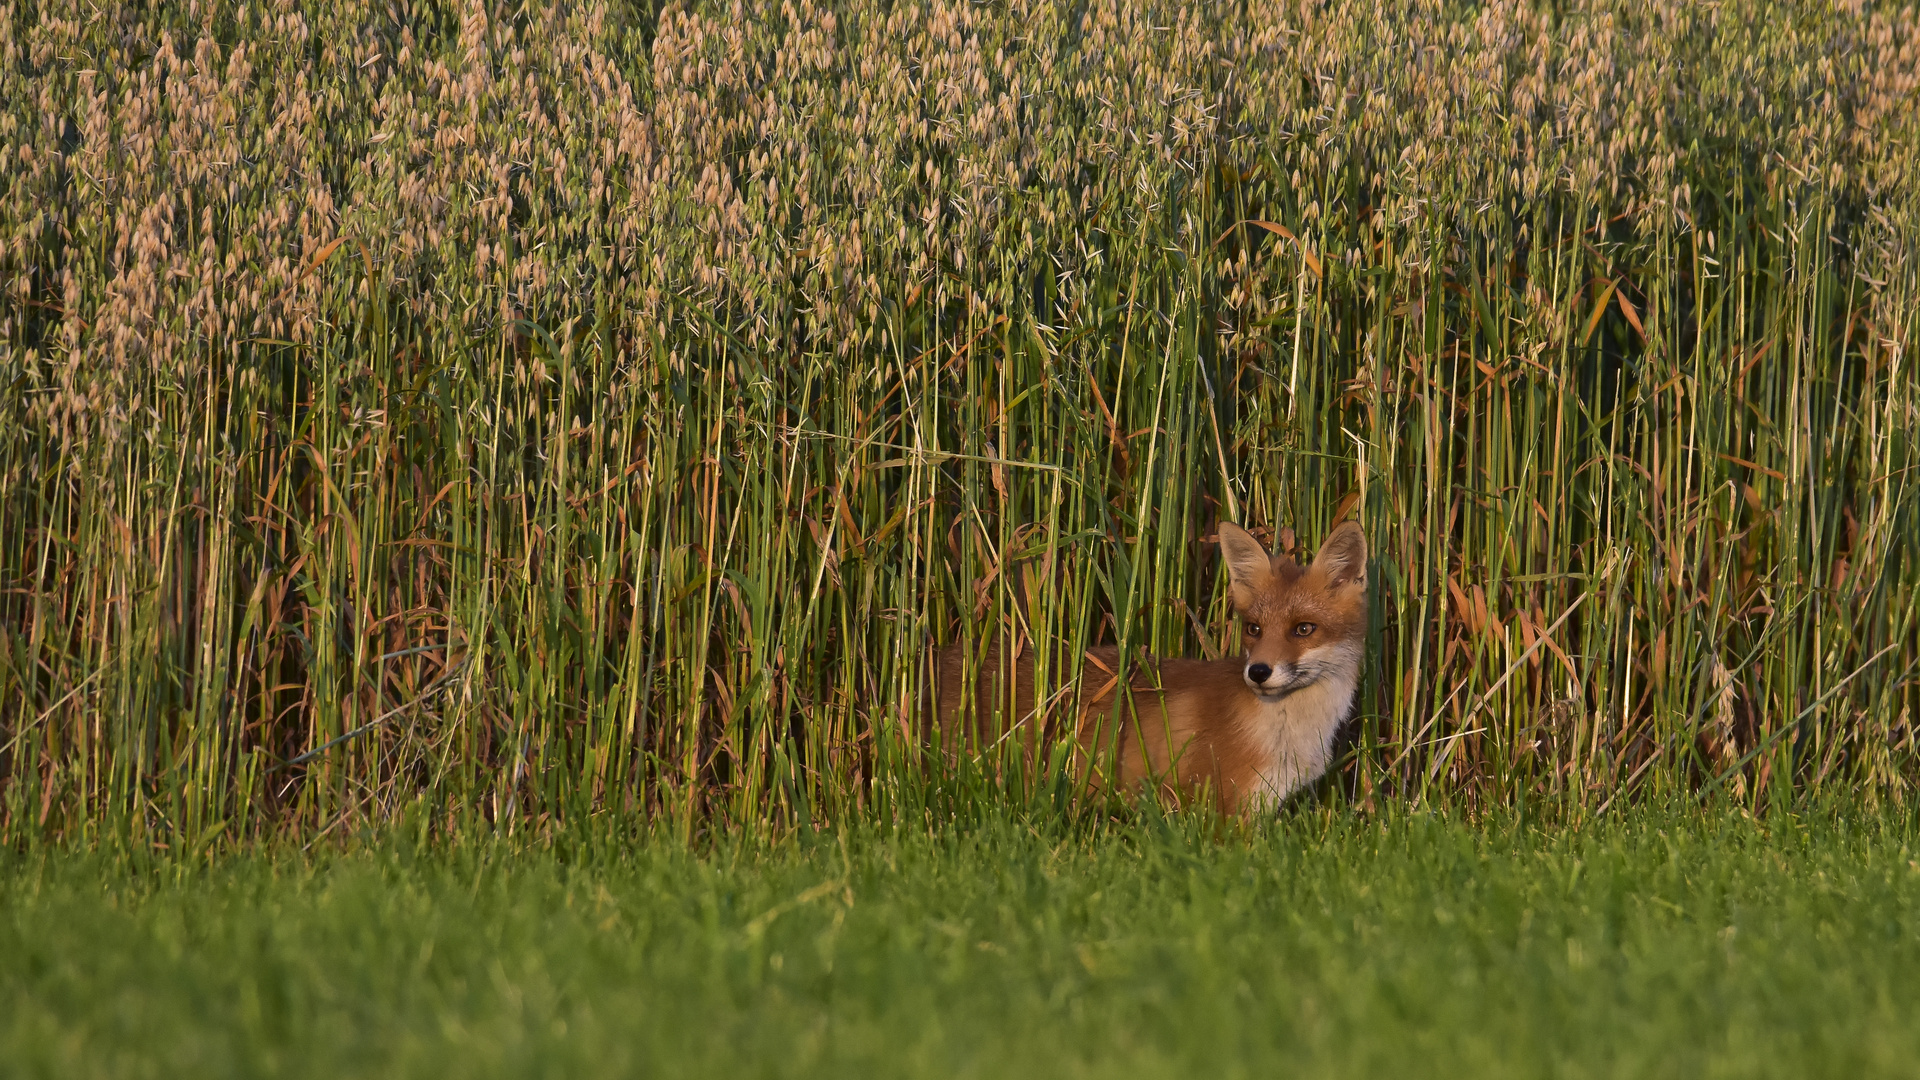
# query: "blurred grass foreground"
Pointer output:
{"type": "Point", "coordinates": [1653, 942]}
{"type": "Point", "coordinates": [510, 413]}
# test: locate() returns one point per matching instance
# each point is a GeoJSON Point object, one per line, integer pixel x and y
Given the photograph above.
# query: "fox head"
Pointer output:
{"type": "Point", "coordinates": [1299, 624]}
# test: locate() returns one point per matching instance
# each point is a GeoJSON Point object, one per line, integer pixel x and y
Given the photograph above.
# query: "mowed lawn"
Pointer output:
{"type": "Point", "coordinates": [1654, 943]}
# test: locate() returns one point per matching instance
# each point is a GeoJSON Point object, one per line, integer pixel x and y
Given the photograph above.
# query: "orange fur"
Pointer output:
{"type": "Point", "coordinates": [1185, 727]}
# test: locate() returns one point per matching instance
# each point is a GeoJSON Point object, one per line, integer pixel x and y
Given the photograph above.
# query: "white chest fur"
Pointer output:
{"type": "Point", "coordinates": [1296, 734]}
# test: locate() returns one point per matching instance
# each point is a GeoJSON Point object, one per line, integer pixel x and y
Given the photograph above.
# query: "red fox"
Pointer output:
{"type": "Point", "coordinates": [1252, 731]}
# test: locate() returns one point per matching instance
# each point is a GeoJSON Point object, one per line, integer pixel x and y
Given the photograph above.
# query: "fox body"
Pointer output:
{"type": "Point", "coordinates": [1250, 731]}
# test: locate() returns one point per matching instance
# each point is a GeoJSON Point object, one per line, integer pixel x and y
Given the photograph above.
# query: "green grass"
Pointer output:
{"type": "Point", "coordinates": [1652, 943]}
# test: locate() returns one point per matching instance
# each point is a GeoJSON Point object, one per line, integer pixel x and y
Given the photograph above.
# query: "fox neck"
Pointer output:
{"type": "Point", "coordinates": [1293, 734]}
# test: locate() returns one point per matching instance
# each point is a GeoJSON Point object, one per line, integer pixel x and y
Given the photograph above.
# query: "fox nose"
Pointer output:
{"type": "Point", "coordinates": [1257, 673]}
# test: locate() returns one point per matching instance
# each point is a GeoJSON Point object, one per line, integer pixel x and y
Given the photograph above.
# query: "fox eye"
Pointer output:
{"type": "Point", "coordinates": [1305, 629]}
{"type": "Point", "coordinates": [1252, 629]}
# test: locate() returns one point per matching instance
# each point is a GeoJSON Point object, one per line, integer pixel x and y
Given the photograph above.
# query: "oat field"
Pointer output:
{"type": "Point", "coordinates": [480, 413]}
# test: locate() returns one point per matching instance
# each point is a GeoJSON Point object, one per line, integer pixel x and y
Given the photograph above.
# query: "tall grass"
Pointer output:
{"type": "Point", "coordinates": [516, 414]}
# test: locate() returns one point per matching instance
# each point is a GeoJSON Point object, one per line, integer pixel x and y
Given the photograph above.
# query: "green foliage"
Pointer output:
{"type": "Point", "coordinates": [1654, 943]}
{"type": "Point", "coordinates": [535, 413]}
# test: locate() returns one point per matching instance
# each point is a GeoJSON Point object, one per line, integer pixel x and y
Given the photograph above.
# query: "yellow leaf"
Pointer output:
{"type": "Point", "coordinates": [1599, 309]}
{"type": "Point", "coordinates": [1313, 263]}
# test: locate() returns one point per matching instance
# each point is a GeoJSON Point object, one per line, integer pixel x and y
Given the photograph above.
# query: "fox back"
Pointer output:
{"type": "Point", "coordinates": [1250, 731]}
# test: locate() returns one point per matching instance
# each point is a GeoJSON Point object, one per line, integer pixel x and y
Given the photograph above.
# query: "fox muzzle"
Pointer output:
{"type": "Point", "coordinates": [1265, 679]}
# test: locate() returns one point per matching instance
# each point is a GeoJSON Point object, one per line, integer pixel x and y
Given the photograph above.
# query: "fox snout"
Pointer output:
{"type": "Point", "coordinates": [1267, 679]}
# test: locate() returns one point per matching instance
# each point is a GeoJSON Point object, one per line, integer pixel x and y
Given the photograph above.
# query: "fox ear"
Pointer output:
{"type": "Point", "coordinates": [1248, 567]}
{"type": "Point", "coordinates": [1343, 558]}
